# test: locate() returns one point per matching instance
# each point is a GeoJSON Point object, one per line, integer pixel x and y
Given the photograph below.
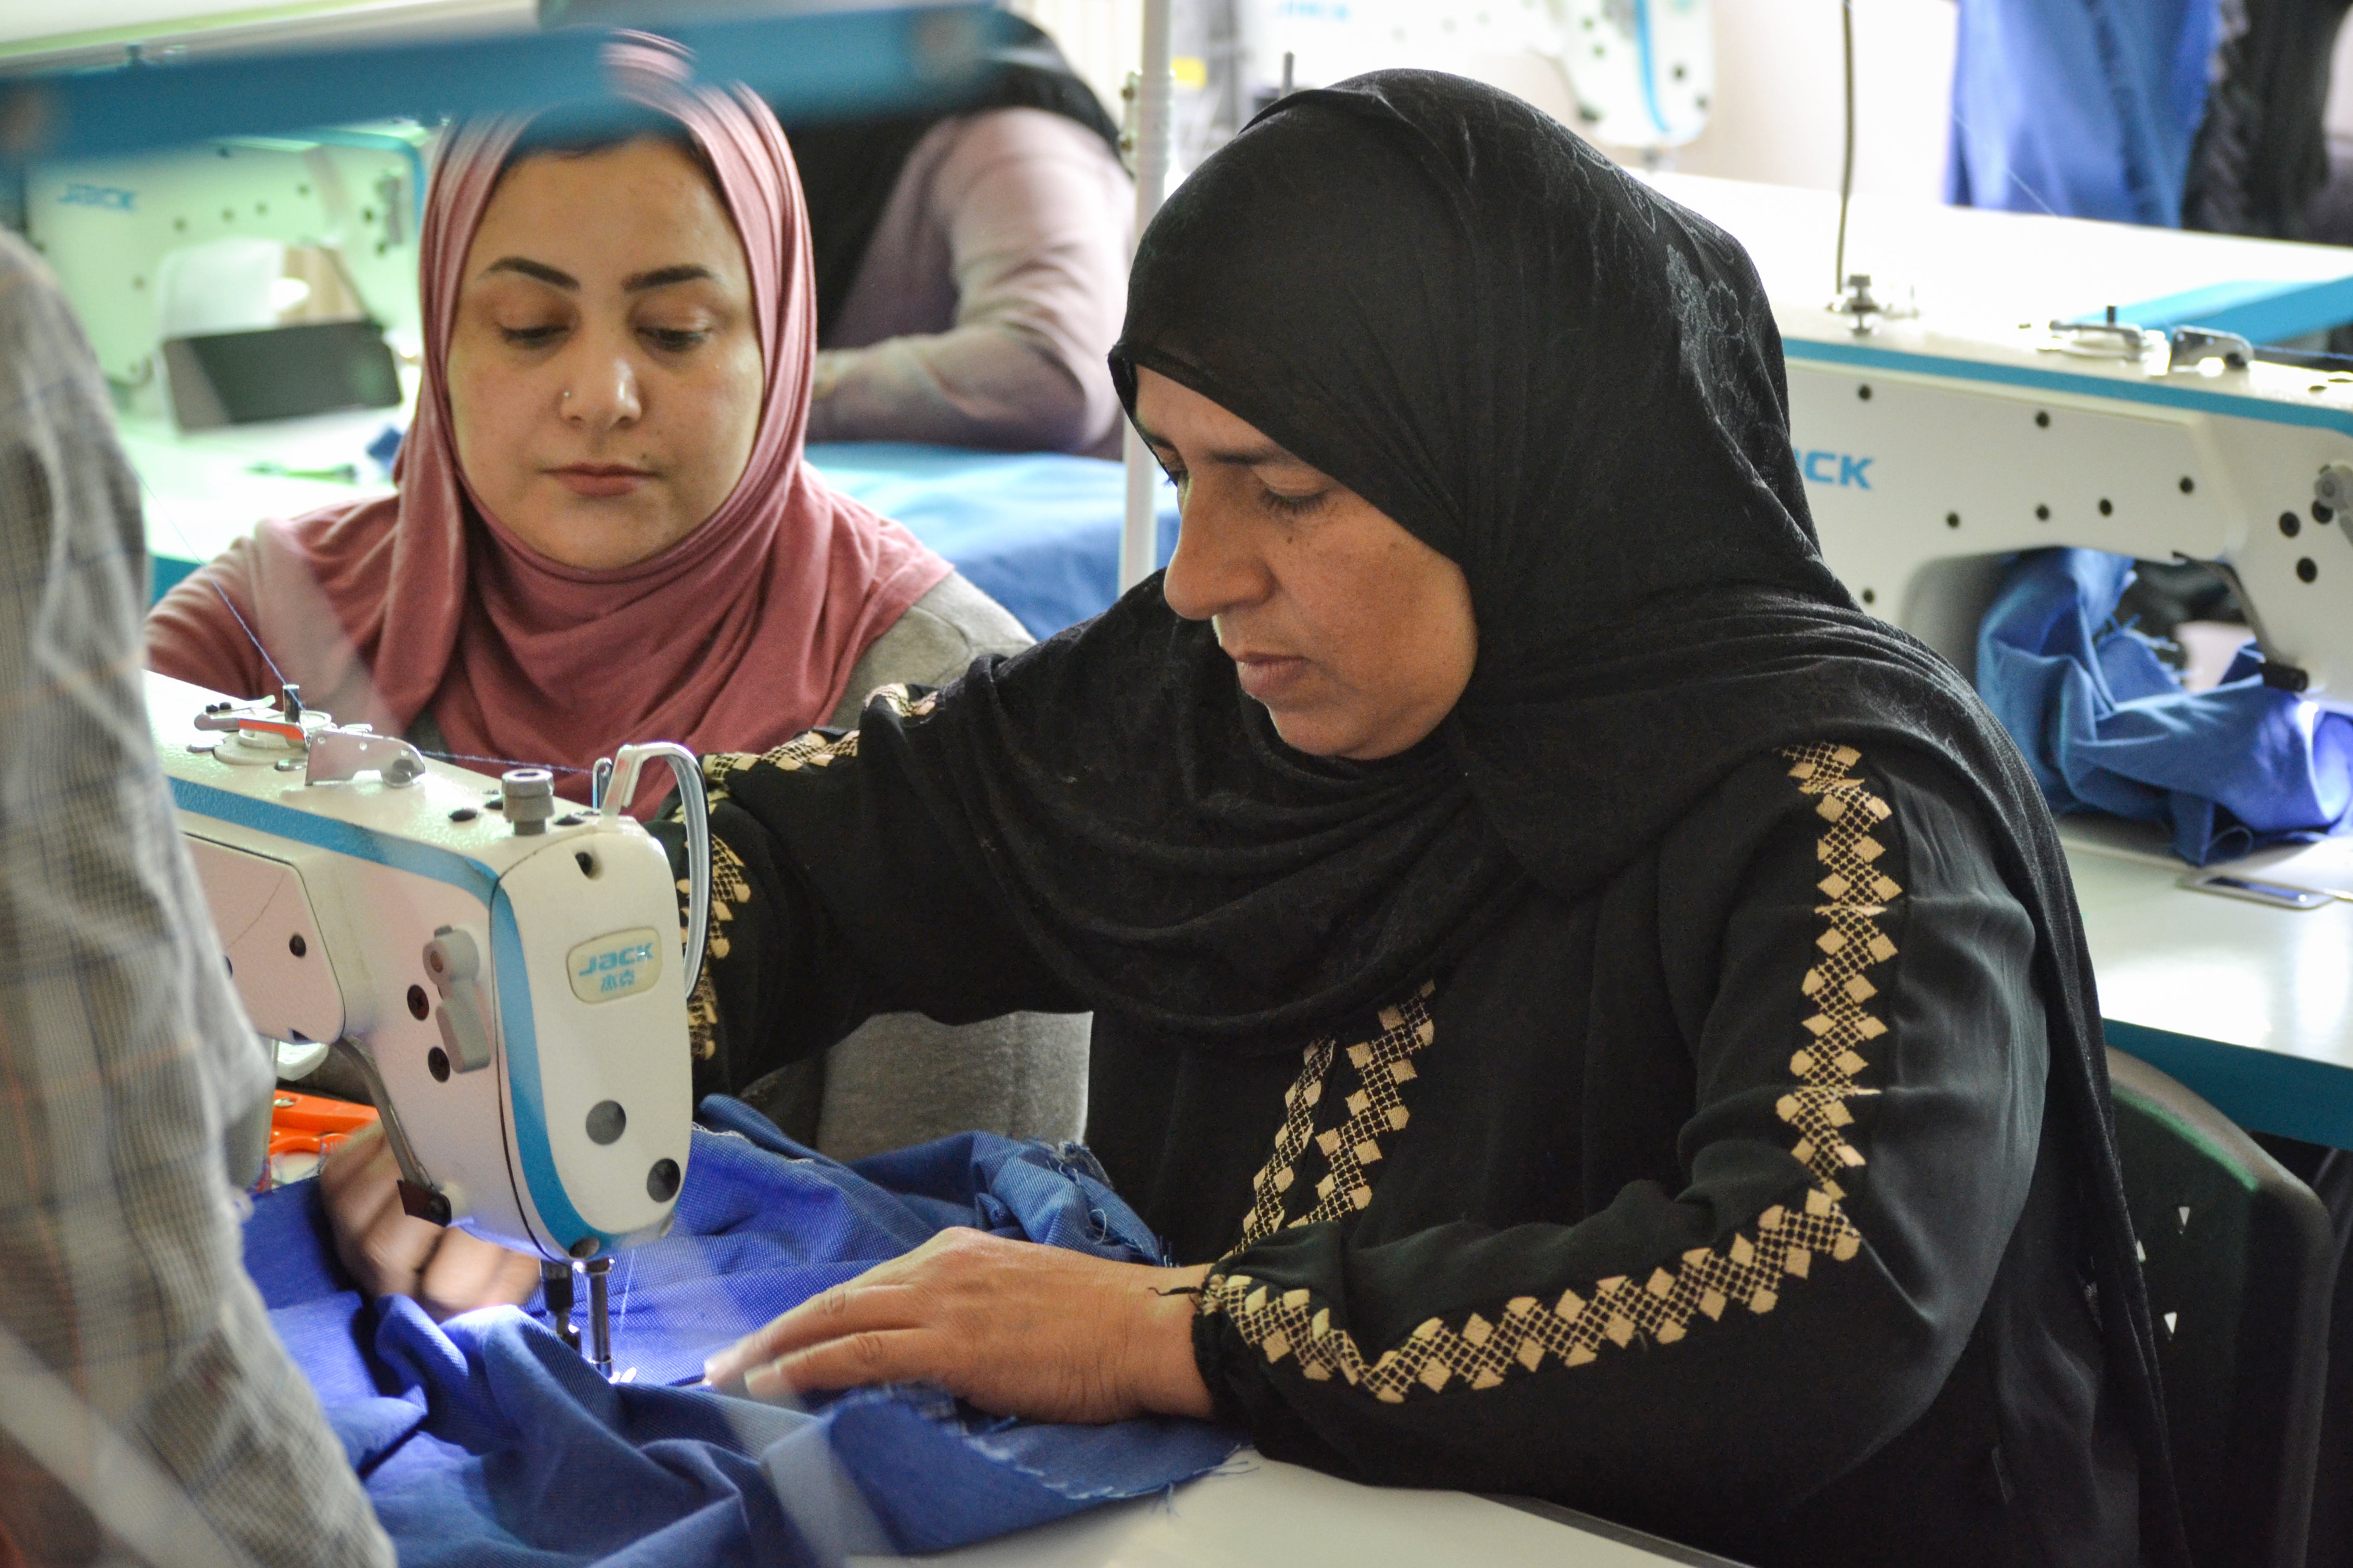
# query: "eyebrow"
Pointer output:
{"type": "Point", "coordinates": [538, 269]}
{"type": "Point", "coordinates": [1237, 456]}
{"type": "Point", "coordinates": [637, 283]}
{"type": "Point", "coordinates": [663, 276]}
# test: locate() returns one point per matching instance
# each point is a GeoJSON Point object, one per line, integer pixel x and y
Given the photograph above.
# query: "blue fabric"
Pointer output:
{"type": "Point", "coordinates": [1037, 531]}
{"type": "Point", "coordinates": [2082, 108]}
{"type": "Point", "coordinates": [485, 1442]}
{"type": "Point", "coordinates": [2106, 727]}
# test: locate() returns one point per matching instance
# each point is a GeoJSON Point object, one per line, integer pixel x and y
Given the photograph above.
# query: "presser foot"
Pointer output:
{"type": "Point", "coordinates": [555, 1289]}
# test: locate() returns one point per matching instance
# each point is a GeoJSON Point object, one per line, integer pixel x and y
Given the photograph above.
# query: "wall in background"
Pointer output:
{"type": "Point", "coordinates": [1779, 115]}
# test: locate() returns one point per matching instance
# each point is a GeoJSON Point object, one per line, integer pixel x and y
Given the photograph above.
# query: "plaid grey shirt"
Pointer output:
{"type": "Point", "coordinates": [146, 1409]}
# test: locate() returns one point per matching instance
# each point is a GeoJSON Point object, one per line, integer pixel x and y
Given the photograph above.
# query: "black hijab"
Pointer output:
{"type": "Point", "coordinates": [1573, 388]}
{"type": "Point", "coordinates": [849, 167]}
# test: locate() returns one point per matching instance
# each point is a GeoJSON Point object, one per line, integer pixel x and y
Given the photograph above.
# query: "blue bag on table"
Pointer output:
{"type": "Point", "coordinates": [485, 1441]}
{"type": "Point", "coordinates": [2107, 726]}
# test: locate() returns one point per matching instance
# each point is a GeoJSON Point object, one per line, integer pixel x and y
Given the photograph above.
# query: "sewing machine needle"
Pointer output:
{"type": "Point", "coordinates": [600, 1323]}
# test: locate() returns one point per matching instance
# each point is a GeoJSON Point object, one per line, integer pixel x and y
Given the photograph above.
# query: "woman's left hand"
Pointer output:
{"type": "Point", "coordinates": [1011, 1326]}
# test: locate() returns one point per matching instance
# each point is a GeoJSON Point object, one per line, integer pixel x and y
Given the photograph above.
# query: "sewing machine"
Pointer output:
{"type": "Point", "coordinates": [1934, 448]}
{"type": "Point", "coordinates": [164, 250]}
{"type": "Point", "coordinates": [499, 967]}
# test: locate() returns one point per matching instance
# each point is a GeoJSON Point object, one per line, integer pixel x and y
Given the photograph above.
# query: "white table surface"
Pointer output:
{"type": "Point", "coordinates": [199, 490]}
{"type": "Point", "coordinates": [1259, 1511]}
{"type": "Point", "coordinates": [2002, 267]}
{"type": "Point", "coordinates": [2251, 1006]}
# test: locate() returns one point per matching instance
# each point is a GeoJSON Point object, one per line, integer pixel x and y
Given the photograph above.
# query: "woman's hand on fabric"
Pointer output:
{"type": "Point", "coordinates": [391, 1254]}
{"type": "Point", "coordinates": [1013, 1327]}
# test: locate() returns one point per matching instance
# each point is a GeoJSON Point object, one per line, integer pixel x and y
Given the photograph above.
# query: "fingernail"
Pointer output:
{"type": "Point", "coordinates": [762, 1381]}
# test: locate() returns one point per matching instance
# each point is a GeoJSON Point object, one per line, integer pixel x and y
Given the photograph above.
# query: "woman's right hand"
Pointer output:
{"type": "Point", "coordinates": [391, 1254]}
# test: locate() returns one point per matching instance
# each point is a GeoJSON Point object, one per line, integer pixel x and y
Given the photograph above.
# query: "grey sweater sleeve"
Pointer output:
{"type": "Point", "coordinates": [901, 1079]}
{"type": "Point", "coordinates": [932, 643]}
{"type": "Point", "coordinates": [143, 1394]}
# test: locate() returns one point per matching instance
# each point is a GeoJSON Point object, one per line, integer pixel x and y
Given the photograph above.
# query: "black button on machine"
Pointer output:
{"type": "Point", "coordinates": [605, 1119]}
{"type": "Point", "coordinates": [661, 1181]}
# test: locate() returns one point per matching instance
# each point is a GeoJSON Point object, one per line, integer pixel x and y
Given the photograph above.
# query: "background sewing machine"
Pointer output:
{"type": "Point", "coordinates": [1977, 400]}
{"type": "Point", "coordinates": [1934, 451]}
{"type": "Point", "coordinates": [1936, 445]}
{"type": "Point", "coordinates": [249, 249]}
{"type": "Point", "coordinates": [1991, 405]}
{"type": "Point", "coordinates": [501, 969]}
{"type": "Point", "coordinates": [1937, 442]}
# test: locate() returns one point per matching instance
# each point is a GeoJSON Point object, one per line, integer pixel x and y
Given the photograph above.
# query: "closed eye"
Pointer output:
{"type": "Point", "coordinates": [1291, 506]}
{"type": "Point", "coordinates": [531, 337]}
{"type": "Point", "coordinates": [675, 340]}
{"type": "Point", "coordinates": [1177, 473]}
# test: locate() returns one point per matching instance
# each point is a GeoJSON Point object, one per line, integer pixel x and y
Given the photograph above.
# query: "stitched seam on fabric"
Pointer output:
{"type": "Point", "coordinates": [1749, 1271]}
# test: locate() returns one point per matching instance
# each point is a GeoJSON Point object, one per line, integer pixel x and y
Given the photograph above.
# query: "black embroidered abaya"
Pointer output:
{"type": "Point", "coordinates": [1672, 1089]}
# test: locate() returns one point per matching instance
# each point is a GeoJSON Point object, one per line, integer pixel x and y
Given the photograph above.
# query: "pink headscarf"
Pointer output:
{"type": "Point", "coordinates": [738, 637]}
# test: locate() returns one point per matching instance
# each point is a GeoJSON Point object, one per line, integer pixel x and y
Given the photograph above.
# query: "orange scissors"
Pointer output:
{"type": "Point", "coordinates": [304, 1129]}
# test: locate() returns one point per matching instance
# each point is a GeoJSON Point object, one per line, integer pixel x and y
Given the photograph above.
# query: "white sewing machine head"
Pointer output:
{"type": "Point", "coordinates": [1934, 448]}
{"type": "Point", "coordinates": [502, 968]}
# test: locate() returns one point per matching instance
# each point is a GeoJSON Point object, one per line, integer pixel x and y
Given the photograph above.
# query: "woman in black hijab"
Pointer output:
{"type": "Point", "coordinates": [1594, 1014]}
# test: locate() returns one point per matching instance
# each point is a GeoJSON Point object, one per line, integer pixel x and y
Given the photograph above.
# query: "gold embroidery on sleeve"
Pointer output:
{"type": "Point", "coordinates": [1275, 1177]}
{"type": "Point", "coordinates": [1384, 1064]}
{"type": "Point", "coordinates": [1481, 1352]}
{"type": "Point", "coordinates": [1851, 945]}
{"type": "Point", "coordinates": [1747, 1272]}
{"type": "Point", "coordinates": [730, 889]}
{"type": "Point", "coordinates": [816, 748]}
{"type": "Point", "coordinates": [702, 1017]}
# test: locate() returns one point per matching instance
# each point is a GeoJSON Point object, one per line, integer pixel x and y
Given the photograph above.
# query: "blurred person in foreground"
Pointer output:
{"type": "Point", "coordinates": [146, 1408]}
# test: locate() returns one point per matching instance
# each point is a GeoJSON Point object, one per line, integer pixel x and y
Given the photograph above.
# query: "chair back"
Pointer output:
{"type": "Point", "coordinates": [2239, 1260]}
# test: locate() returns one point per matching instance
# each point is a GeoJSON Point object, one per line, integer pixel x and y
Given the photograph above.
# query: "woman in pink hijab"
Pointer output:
{"type": "Point", "coordinates": [604, 531]}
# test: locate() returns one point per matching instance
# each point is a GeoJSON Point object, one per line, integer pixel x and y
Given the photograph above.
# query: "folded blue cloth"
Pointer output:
{"type": "Point", "coordinates": [2106, 727]}
{"type": "Point", "coordinates": [484, 1441]}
